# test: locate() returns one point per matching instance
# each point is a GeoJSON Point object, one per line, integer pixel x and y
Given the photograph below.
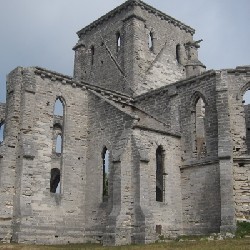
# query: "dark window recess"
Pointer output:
{"type": "Point", "coordinates": [178, 48]}
{"type": "Point", "coordinates": [159, 174]}
{"type": "Point", "coordinates": [92, 54]}
{"type": "Point", "coordinates": [55, 180]}
{"type": "Point", "coordinates": [105, 172]}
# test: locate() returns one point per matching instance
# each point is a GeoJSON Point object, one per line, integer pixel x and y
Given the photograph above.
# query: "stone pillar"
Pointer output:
{"type": "Point", "coordinates": [225, 149]}
{"type": "Point", "coordinates": [80, 55]}
{"type": "Point", "coordinates": [9, 154]}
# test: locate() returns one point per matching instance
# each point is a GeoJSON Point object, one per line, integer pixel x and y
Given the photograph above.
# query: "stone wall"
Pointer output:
{"type": "Point", "coordinates": [101, 61]}
{"type": "Point", "coordinates": [2, 111]}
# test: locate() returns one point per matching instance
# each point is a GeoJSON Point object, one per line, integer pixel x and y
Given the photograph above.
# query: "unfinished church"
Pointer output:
{"type": "Point", "coordinates": [149, 143]}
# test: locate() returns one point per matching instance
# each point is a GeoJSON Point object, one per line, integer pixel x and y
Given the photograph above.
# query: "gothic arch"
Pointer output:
{"type": "Point", "coordinates": [198, 124]}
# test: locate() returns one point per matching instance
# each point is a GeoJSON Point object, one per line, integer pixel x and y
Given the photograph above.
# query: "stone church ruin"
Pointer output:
{"type": "Point", "coordinates": [147, 143]}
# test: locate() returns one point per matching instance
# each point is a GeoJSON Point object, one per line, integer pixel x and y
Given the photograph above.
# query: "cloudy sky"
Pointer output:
{"type": "Point", "coordinates": [43, 32]}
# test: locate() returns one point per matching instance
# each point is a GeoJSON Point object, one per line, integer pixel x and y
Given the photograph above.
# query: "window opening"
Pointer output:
{"type": "Point", "coordinates": [178, 48]}
{"type": "Point", "coordinates": [55, 181]}
{"type": "Point", "coordinates": [246, 102]}
{"type": "Point", "coordinates": [1, 132]}
{"type": "Point", "coordinates": [150, 40]}
{"type": "Point", "coordinates": [59, 144]}
{"type": "Point", "coordinates": [58, 109]}
{"type": "Point", "coordinates": [105, 169]}
{"type": "Point", "coordinates": [92, 54]}
{"type": "Point", "coordinates": [118, 41]}
{"type": "Point", "coordinates": [200, 142]}
{"type": "Point", "coordinates": [159, 174]}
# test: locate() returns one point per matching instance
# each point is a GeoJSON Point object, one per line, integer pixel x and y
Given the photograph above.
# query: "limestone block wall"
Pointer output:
{"type": "Point", "coordinates": [8, 154]}
{"type": "Point", "coordinates": [110, 128]}
{"type": "Point", "coordinates": [42, 216]}
{"type": "Point", "coordinates": [238, 83]}
{"type": "Point", "coordinates": [159, 218]}
{"type": "Point", "coordinates": [201, 199]}
{"type": "Point", "coordinates": [145, 57]}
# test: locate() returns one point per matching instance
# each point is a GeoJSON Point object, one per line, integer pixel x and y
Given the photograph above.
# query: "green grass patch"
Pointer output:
{"type": "Point", "coordinates": [243, 229]}
{"type": "Point", "coordinates": [232, 244]}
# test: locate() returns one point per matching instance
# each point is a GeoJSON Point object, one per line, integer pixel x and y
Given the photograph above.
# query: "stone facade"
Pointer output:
{"type": "Point", "coordinates": [151, 143]}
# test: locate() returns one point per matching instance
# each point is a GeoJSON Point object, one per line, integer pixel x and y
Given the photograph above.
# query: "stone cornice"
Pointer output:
{"type": "Point", "coordinates": [144, 6]}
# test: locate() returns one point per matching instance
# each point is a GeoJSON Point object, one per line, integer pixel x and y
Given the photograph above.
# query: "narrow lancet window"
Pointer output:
{"type": "Point", "coordinates": [150, 41]}
{"type": "Point", "coordinates": [118, 41]}
{"type": "Point", "coordinates": [200, 136]}
{"type": "Point", "coordinates": [159, 174]}
{"type": "Point", "coordinates": [58, 109]}
{"type": "Point", "coordinates": [59, 144]}
{"type": "Point", "coordinates": [92, 54]}
{"type": "Point", "coordinates": [178, 48]}
{"type": "Point", "coordinates": [1, 132]}
{"type": "Point", "coordinates": [55, 177]}
{"type": "Point", "coordinates": [246, 102]}
{"type": "Point", "coordinates": [57, 149]}
{"type": "Point", "coordinates": [105, 173]}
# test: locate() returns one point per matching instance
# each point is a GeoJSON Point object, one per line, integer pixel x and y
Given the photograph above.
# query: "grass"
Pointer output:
{"type": "Point", "coordinates": [232, 244]}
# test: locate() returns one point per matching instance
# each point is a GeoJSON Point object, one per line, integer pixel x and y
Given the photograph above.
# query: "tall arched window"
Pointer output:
{"type": "Point", "coordinates": [150, 40]}
{"type": "Point", "coordinates": [58, 108]}
{"type": "Point", "coordinates": [1, 132]}
{"type": "Point", "coordinates": [199, 136]}
{"type": "Point", "coordinates": [159, 174]}
{"type": "Point", "coordinates": [118, 41]}
{"type": "Point", "coordinates": [246, 102]}
{"type": "Point", "coordinates": [92, 54]}
{"type": "Point", "coordinates": [57, 150]}
{"type": "Point", "coordinates": [105, 173]}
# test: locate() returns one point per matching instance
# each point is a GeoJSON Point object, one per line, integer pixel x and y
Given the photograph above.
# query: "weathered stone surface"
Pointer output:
{"type": "Point", "coordinates": [138, 86]}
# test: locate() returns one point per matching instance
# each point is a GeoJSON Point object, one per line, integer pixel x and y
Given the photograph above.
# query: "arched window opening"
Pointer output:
{"type": "Point", "coordinates": [159, 174]}
{"type": "Point", "coordinates": [59, 144]}
{"type": "Point", "coordinates": [92, 54]}
{"type": "Point", "coordinates": [58, 108]}
{"type": "Point", "coordinates": [105, 172]}
{"type": "Point", "coordinates": [55, 177]}
{"type": "Point", "coordinates": [1, 132]}
{"type": "Point", "coordinates": [118, 41]}
{"type": "Point", "coordinates": [200, 135]}
{"type": "Point", "coordinates": [246, 102]}
{"type": "Point", "coordinates": [178, 49]}
{"type": "Point", "coordinates": [150, 41]}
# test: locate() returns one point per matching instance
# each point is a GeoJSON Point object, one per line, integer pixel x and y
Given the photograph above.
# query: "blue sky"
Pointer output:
{"type": "Point", "coordinates": [42, 33]}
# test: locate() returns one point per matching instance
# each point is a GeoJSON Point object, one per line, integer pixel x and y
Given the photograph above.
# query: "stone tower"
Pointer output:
{"type": "Point", "coordinates": [146, 144]}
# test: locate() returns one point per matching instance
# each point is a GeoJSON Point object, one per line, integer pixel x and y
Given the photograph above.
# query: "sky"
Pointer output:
{"type": "Point", "coordinates": [43, 32]}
